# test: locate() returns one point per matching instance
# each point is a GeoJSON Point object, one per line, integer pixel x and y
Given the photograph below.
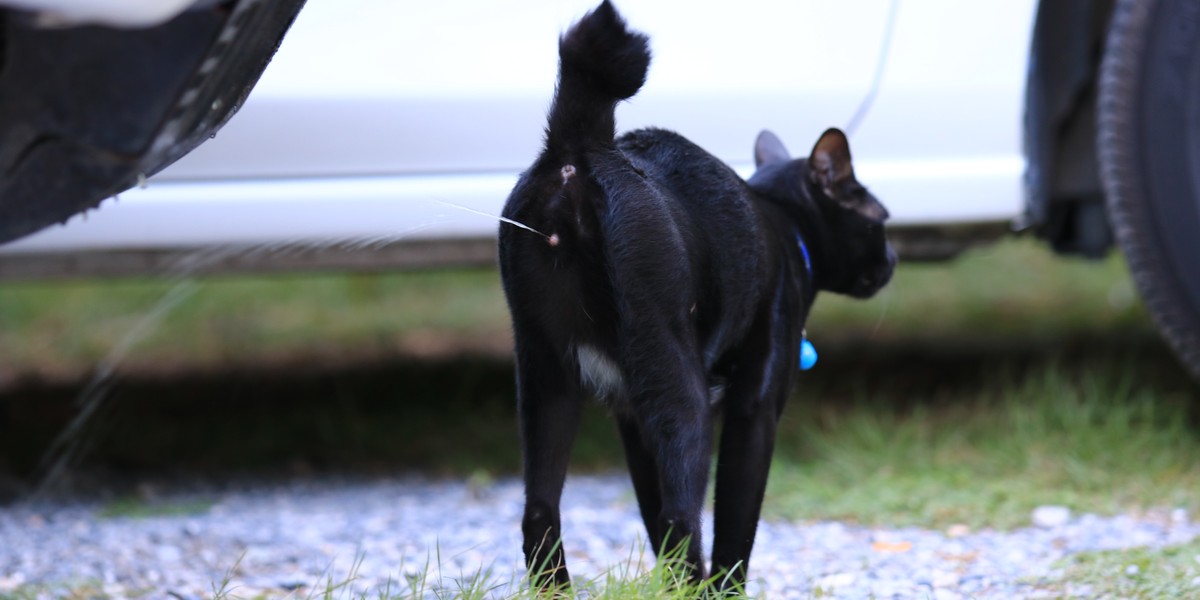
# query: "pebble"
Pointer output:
{"type": "Point", "coordinates": [1049, 517]}
{"type": "Point", "coordinates": [957, 530]}
{"type": "Point", "coordinates": [291, 539]}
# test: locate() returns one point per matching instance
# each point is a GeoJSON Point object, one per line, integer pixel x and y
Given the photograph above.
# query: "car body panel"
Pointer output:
{"type": "Point", "coordinates": [376, 118]}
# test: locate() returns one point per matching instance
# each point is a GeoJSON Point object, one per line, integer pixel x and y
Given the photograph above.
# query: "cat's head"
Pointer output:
{"type": "Point", "coordinates": [853, 256]}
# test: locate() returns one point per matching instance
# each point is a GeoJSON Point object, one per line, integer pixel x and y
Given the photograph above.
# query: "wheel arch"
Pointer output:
{"type": "Point", "coordinates": [1064, 199]}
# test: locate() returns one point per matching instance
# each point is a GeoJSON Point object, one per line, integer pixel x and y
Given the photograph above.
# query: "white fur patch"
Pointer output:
{"type": "Point", "coordinates": [599, 372]}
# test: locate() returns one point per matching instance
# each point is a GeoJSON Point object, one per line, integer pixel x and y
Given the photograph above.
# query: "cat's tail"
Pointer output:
{"type": "Point", "coordinates": [601, 62]}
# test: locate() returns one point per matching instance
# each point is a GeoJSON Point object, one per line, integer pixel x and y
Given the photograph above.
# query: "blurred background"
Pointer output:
{"type": "Point", "coordinates": [314, 290]}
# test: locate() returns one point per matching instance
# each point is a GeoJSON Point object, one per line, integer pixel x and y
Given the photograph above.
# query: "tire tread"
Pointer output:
{"type": "Point", "coordinates": [1130, 214]}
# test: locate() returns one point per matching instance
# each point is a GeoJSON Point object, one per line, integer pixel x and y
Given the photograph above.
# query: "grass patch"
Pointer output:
{"type": "Point", "coordinates": [87, 590]}
{"type": "Point", "coordinates": [643, 578]}
{"type": "Point", "coordinates": [1140, 573]}
{"type": "Point", "coordinates": [1095, 438]}
{"type": "Point", "coordinates": [66, 327]}
{"type": "Point", "coordinates": [136, 507]}
{"type": "Point", "coordinates": [1100, 436]}
{"type": "Point", "coordinates": [1013, 290]}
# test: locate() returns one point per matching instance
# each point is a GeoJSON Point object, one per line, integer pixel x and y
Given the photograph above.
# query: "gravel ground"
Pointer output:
{"type": "Point", "coordinates": [292, 536]}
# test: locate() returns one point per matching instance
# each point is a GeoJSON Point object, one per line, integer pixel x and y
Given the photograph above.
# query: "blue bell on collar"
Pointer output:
{"type": "Point", "coordinates": [808, 355]}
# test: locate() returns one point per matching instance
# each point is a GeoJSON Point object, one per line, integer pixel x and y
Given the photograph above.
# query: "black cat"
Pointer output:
{"type": "Point", "coordinates": [673, 290]}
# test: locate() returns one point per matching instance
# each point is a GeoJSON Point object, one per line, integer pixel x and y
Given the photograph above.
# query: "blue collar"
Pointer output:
{"type": "Point", "coordinates": [808, 270]}
{"type": "Point", "coordinates": [808, 354]}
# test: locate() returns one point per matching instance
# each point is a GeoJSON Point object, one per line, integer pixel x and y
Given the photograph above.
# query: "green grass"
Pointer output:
{"type": "Point", "coordinates": [77, 590]}
{"type": "Point", "coordinates": [137, 507]}
{"type": "Point", "coordinates": [1095, 439]}
{"type": "Point", "coordinates": [1013, 290]}
{"type": "Point", "coordinates": [64, 328]}
{"type": "Point", "coordinates": [1139, 573]}
{"type": "Point", "coordinates": [641, 577]}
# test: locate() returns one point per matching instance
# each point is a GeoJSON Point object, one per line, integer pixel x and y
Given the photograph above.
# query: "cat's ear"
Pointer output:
{"type": "Point", "coordinates": [768, 149]}
{"type": "Point", "coordinates": [829, 163]}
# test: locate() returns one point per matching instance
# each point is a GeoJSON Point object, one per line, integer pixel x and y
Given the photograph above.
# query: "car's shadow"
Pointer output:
{"type": "Point", "coordinates": [451, 416]}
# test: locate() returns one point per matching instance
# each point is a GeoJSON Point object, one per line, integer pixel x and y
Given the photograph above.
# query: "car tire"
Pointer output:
{"type": "Point", "coordinates": [87, 112]}
{"type": "Point", "coordinates": [1148, 144]}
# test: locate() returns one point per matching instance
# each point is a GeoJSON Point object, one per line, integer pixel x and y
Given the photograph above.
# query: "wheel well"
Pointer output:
{"type": "Point", "coordinates": [1064, 200]}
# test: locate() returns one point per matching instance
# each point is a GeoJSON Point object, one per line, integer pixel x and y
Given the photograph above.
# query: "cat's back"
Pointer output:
{"type": "Point", "coordinates": [721, 211]}
{"type": "Point", "coordinates": [671, 159]}
{"type": "Point", "coordinates": [719, 201]}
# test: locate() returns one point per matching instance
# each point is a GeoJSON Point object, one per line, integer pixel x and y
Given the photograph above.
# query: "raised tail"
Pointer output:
{"type": "Point", "coordinates": [601, 62]}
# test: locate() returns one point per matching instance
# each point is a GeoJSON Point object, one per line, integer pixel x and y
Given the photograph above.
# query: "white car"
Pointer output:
{"type": "Point", "coordinates": [387, 134]}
